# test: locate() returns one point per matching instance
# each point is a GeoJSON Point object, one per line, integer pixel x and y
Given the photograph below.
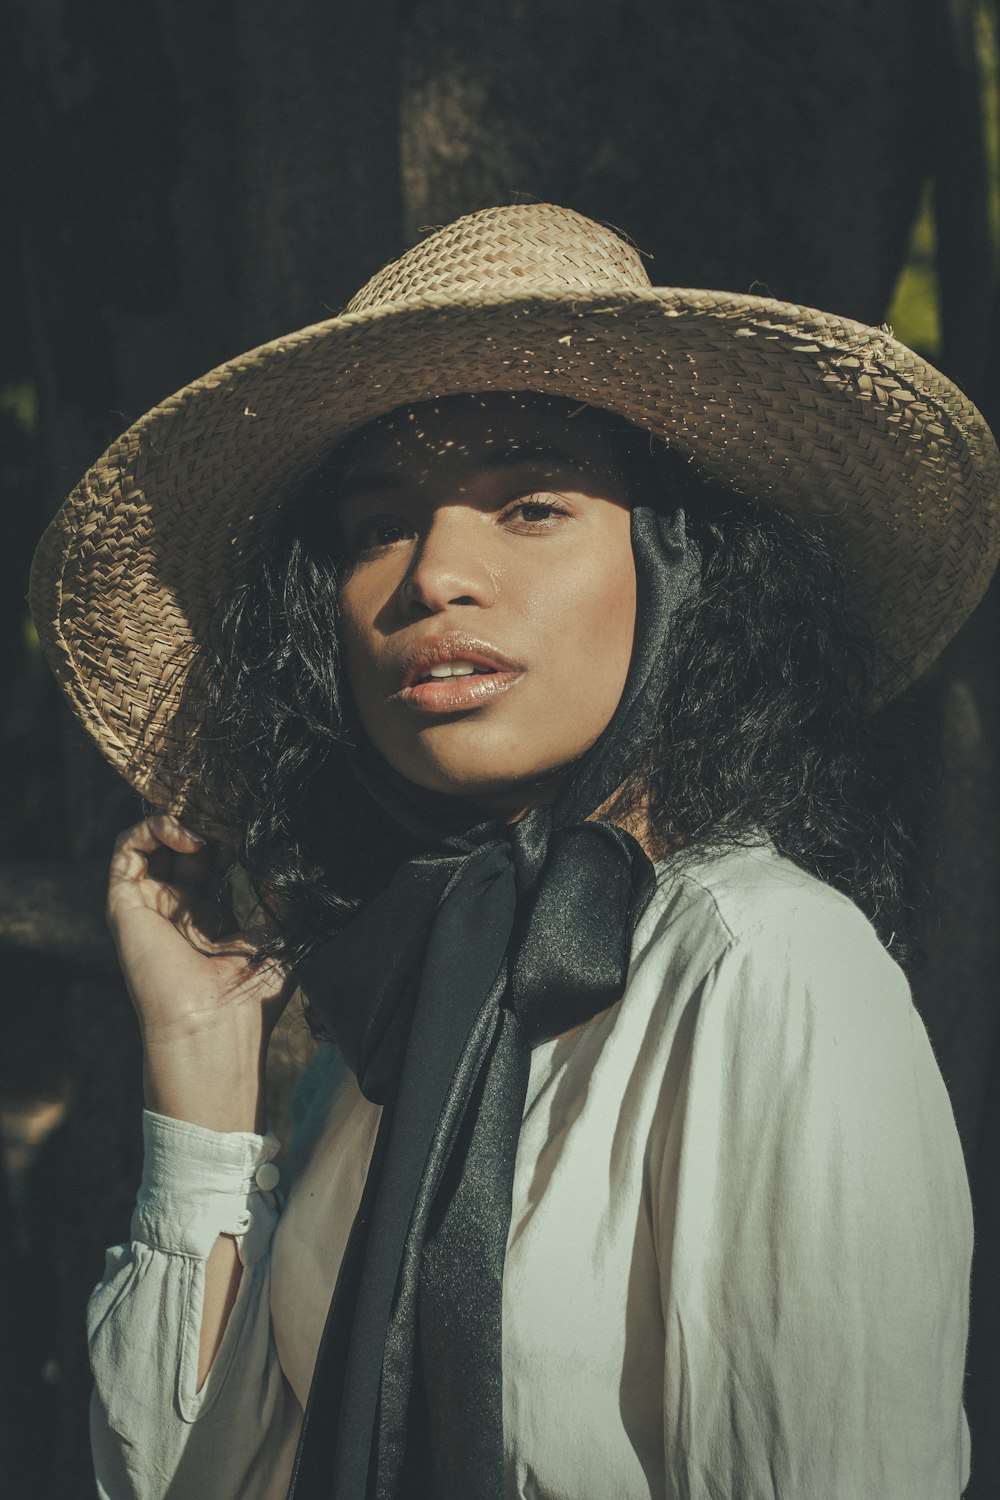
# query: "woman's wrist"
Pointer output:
{"type": "Point", "coordinates": [212, 1079]}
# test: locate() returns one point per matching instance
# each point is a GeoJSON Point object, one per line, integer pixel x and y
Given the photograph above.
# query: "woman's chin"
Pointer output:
{"type": "Point", "coordinates": [493, 788]}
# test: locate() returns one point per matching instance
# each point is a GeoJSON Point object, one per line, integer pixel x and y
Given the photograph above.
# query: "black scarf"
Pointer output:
{"type": "Point", "coordinates": [489, 941]}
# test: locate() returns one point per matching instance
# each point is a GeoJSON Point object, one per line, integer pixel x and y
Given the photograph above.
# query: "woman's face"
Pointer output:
{"type": "Point", "coordinates": [488, 607]}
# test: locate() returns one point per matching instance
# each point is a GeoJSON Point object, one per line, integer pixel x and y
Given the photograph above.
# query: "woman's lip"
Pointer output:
{"type": "Point", "coordinates": [449, 695]}
{"type": "Point", "coordinates": [444, 650]}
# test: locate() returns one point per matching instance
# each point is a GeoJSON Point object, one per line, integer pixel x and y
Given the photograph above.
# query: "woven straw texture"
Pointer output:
{"type": "Point", "coordinates": [818, 416]}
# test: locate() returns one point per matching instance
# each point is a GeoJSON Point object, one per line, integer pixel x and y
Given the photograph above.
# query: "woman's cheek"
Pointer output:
{"type": "Point", "coordinates": [601, 625]}
{"type": "Point", "coordinates": [355, 656]}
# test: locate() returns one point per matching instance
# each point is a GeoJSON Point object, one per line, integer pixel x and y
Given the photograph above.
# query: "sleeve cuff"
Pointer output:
{"type": "Point", "coordinates": [199, 1183]}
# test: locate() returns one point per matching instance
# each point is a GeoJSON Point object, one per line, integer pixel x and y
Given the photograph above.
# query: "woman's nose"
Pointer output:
{"type": "Point", "coordinates": [450, 563]}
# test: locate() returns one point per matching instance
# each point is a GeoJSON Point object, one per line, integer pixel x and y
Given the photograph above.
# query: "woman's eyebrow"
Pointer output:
{"type": "Point", "coordinates": [525, 453]}
{"type": "Point", "coordinates": [368, 482]}
{"type": "Point", "coordinates": [379, 481]}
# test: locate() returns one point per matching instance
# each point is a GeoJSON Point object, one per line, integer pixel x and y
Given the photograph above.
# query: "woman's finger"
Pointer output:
{"type": "Point", "coordinates": [204, 923]}
{"type": "Point", "coordinates": [137, 845]}
{"type": "Point", "coordinates": [174, 834]}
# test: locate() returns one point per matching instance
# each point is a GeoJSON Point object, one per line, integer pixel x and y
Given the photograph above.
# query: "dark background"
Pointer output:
{"type": "Point", "coordinates": [183, 180]}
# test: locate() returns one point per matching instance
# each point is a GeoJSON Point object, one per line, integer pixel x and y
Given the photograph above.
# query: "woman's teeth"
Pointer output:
{"type": "Point", "coordinates": [454, 669]}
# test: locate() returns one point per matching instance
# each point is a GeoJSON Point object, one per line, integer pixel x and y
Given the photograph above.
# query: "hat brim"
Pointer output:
{"type": "Point", "coordinates": [819, 417]}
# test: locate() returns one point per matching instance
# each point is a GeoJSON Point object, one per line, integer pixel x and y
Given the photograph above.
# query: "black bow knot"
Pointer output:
{"type": "Point", "coordinates": [567, 949]}
{"type": "Point", "coordinates": [570, 958]}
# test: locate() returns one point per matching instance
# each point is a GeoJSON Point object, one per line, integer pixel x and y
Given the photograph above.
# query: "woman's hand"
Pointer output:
{"type": "Point", "coordinates": [205, 1013]}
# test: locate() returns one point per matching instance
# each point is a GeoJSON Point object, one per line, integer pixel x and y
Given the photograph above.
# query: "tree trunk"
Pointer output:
{"type": "Point", "coordinates": [780, 146]}
{"type": "Point", "coordinates": [186, 181]}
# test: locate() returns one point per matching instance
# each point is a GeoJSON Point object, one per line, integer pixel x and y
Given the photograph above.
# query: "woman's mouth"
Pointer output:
{"type": "Point", "coordinates": [454, 673]}
{"type": "Point", "coordinates": [450, 695]}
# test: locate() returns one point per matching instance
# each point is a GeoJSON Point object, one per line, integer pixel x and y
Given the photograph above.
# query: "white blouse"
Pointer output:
{"type": "Point", "coordinates": [738, 1259]}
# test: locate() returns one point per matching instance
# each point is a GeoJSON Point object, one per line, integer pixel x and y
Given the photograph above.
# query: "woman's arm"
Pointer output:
{"type": "Point", "coordinates": [205, 1015]}
{"type": "Point", "coordinates": [223, 1271]}
{"type": "Point", "coordinates": [189, 1396]}
{"type": "Point", "coordinates": [815, 1230]}
{"type": "Point", "coordinates": [158, 1428]}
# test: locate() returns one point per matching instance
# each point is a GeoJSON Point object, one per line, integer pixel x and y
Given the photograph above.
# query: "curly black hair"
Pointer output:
{"type": "Point", "coordinates": [765, 720]}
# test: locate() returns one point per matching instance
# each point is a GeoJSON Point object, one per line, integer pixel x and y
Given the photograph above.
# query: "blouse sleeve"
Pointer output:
{"type": "Point", "coordinates": [153, 1434]}
{"type": "Point", "coordinates": [815, 1231]}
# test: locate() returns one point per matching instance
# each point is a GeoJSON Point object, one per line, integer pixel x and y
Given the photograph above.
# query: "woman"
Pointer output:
{"type": "Point", "coordinates": [548, 753]}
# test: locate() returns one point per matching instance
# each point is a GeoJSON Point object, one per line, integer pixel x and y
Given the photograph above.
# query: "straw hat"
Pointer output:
{"type": "Point", "coordinates": [816, 415]}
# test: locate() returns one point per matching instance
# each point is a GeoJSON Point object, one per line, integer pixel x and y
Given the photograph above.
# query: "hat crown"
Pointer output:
{"type": "Point", "coordinates": [516, 251]}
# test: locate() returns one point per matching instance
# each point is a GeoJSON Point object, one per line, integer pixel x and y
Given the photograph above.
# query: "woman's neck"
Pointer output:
{"type": "Point", "coordinates": [622, 808]}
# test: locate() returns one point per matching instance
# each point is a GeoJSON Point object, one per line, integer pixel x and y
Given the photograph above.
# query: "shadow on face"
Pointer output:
{"type": "Point", "coordinates": [488, 606]}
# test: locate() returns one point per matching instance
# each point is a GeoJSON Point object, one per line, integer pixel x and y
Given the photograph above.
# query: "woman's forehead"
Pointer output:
{"type": "Point", "coordinates": [480, 431]}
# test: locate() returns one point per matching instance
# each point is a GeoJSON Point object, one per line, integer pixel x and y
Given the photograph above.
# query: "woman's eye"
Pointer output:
{"type": "Point", "coordinates": [536, 510]}
{"type": "Point", "coordinates": [372, 535]}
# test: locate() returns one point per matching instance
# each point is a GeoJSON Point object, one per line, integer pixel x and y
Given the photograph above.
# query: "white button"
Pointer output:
{"type": "Point", "coordinates": [267, 1176]}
